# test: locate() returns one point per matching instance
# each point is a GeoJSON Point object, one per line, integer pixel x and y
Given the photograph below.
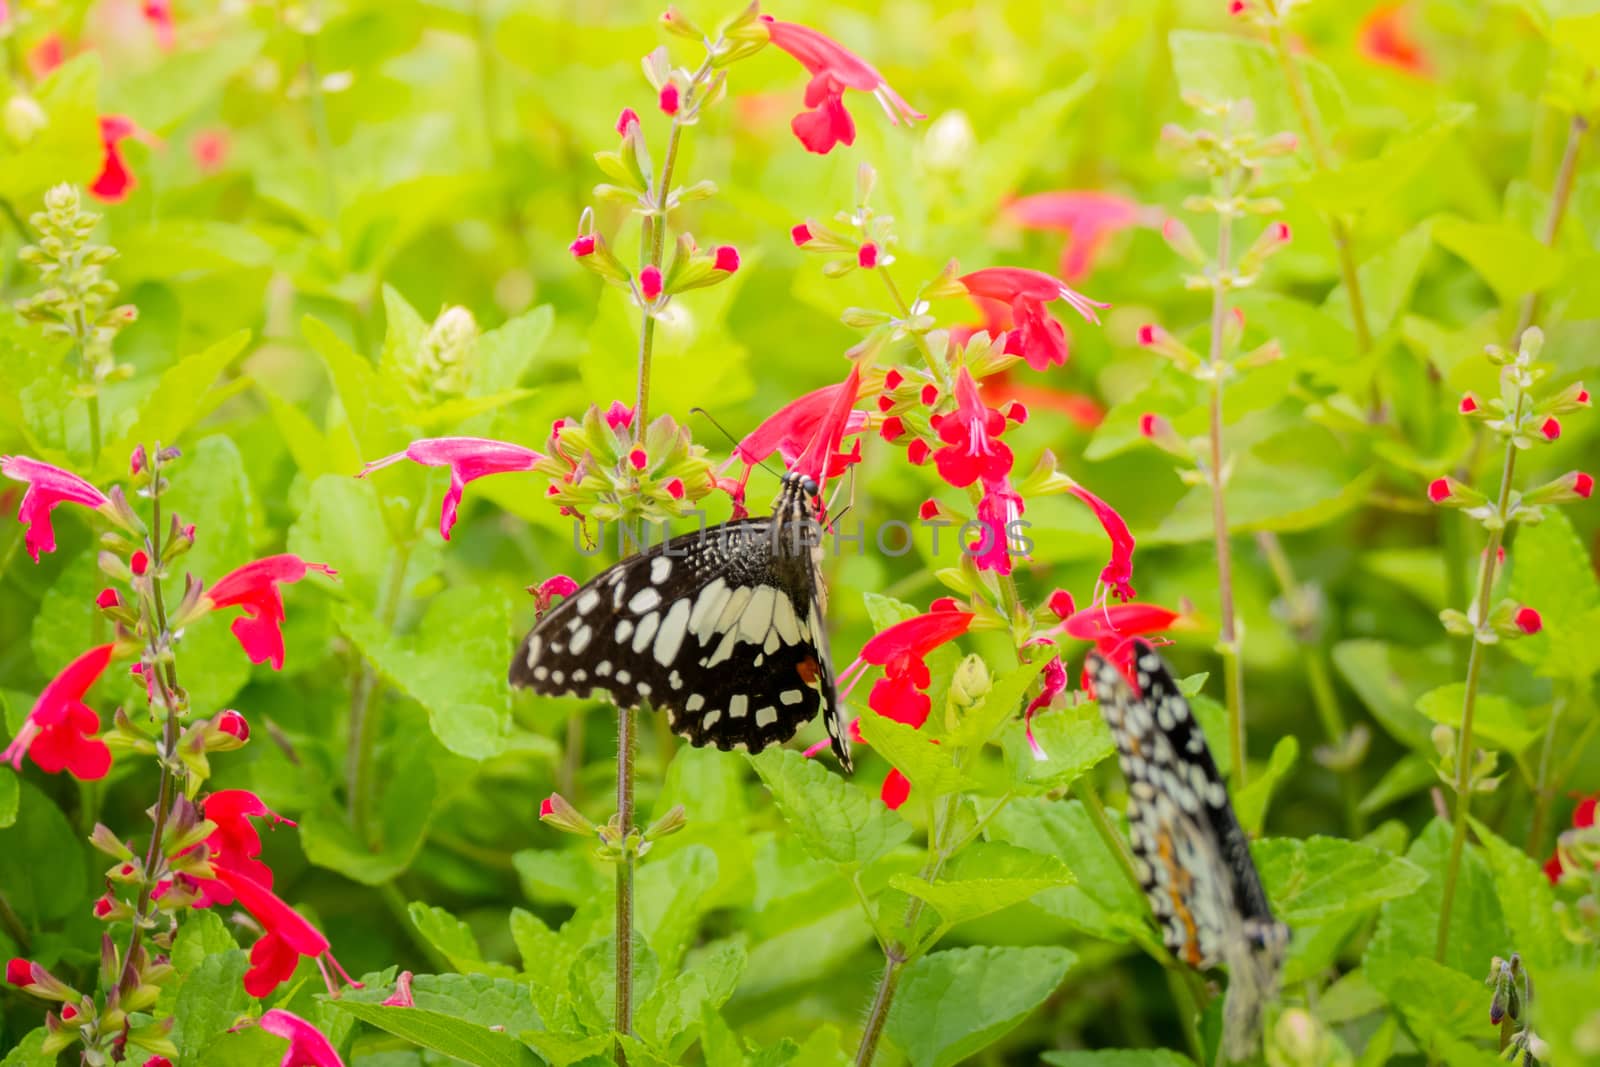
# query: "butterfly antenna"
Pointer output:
{"type": "Point", "coordinates": [731, 439]}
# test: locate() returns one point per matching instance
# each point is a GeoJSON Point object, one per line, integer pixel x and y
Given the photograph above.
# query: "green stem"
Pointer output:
{"type": "Point", "coordinates": [1560, 197]}
{"type": "Point", "coordinates": [1541, 787]}
{"type": "Point", "coordinates": [323, 134]}
{"type": "Point", "coordinates": [364, 702]}
{"type": "Point", "coordinates": [1228, 638]}
{"type": "Point", "coordinates": [1479, 612]}
{"type": "Point", "coordinates": [626, 745]}
{"type": "Point", "coordinates": [1300, 97]}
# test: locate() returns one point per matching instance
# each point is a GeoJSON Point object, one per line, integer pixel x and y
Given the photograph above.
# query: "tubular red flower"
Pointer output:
{"type": "Point", "coordinates": [650, 282]}
{"type": "Point", "coordinates": [727, 259]}
{"type": "Point", "coordinates": [468, 458]}
{"type": "Point", "coordinates": [669, 99]}
{"type": "Point", "coordinates": [236, 843]}
{"type": "Point", "coordinates": [1118, 572]}
{"type": "Point", "coordinates": [867, 255]}
{"type": "Point", "coordinates": [971, 448]}
{"type": "Point", "coordinates": [833, 69]}
{"type": "Point", "coordinates": [57, 732]}
{"type": "Point", "coordinates": [1528, 620]}
{"type": "Point", "coordinates": [800, 235]}
{"type": "Point", "coordinates": [1386, 38]}
{"type": "Point", "coordinates": [158, 13]}
{"type": "Point", "coordinates": [307, 1045]}
{"type": "Point", "coordinates": [1055, 683]}
{"type": "Point", "coordinates": [1036, 336]}
{"type": "Point", "coordinates": [254, 588]}
{"type": "Point", "coordinates": [1088, 217]}
{"type": "Point", "coordinates": [822, 458]}
{"type": "Point", "coordinates": [896, 789]}
{"type": "Point", "coordinates": [288, 936]}
{"type": "Point", "coordinates": [1116, 622]}
{"type": "Point", "coordinates": [115, 180]}
{"type": "Point", "coordinates": [47, 487]}
{"type": "Point", "coordinates": [999, 508]}
{"type": "Point", "coordinates": [558, 585]}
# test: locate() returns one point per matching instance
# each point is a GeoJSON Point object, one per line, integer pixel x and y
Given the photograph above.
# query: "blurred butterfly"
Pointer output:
{"type": "Point", "coordinates": [721, 628]}
{"type": "Point", "coordinates": [1192, 856]}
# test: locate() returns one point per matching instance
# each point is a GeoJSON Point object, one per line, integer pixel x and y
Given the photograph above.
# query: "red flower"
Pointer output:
{"type": "Point", "coordinates": [1087, 217]}
{"type": "Point", "coordinates": [288, 936]}
{"type": "Point", "coordinates": [115, 180]}
{"type": "Point", "coordinates": [401, 997]}
{"type": "Point", "coordinates": [628, 117]}
{"type": "Point", "coordinates": [867, 255]}
{"type": "Point", "coordinates": [800, 235]}
{"type": "Point", "coordinates": [795, 428]}
{"type": "Point", "coordinates": [1583, 817]}
{"type": "Point", "coordinates": [210, 150]}
{"type": "Point", "coordinates": [1036, 337]}
{"type": "Point", "coordinates": [900, 650]}
{"type": "Point", "coordinates": [997, 511]}
{"type": "Point", "coordinates": [1007, 386]}
{"type": "Point", "coordinates": [1118, 571]}
{"type": "Point", "coordinates": [235, 725]}
{"type": "Point", "coordinates": [727, 258]}
{"type": "Point", "coordinates": [1112, 626]}
{"type": "Point", "coordinates": [1550, 428]}
{"type": "Point", "coordinates": [19, 972]}
{"type": "Point", "coordinates": [254, 588]}
{"type": "Point", "coordinates": [307, 1045]}
{"type": "Point", "coordinates": [1061, 604]}
{"type": "Point", "coordinates": [235, 843]}
{"type": "Point", "coordinates": [57, 732]}
{"type": "Point", "coordinates": [159, 14]}
{"type": "Point", "coordinates": [650, 282]}
{"type": "Point", "coordinates": [834, 69]}
{"type": "Point", "coordinates": [971, 448]}
{"type": "Point", "coordinates": [583, 246]}
{"type": "Point", "coordinates": [468, 458]}
{"type": "Point", "coordinates": [1528, 620]}
{"type": "Point", "coordinates": [558, 585]}
{"type": "Point", "coordinates": [896, 788]}
{"type": "Point", "coordinates": [618, 416]}
{"type": "Point", "coordinates": [1386, 38]}
{"type": "Point", "coordinates": [669, 99]}
{"type": "Point", "coordinates": [47, 487]}
{"type": "Point", "coordinates": [1055, 683]}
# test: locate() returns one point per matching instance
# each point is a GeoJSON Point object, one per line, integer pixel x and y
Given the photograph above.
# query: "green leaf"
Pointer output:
{"type": "Point", "coordinates": [42, 865]}
{"type": "Point", "coordinates": [210, 1003]}
{"type": "Point", "coordinates": [404, 788]}
{"type": "Point", "coordinates": [1387, 280]}
{"type": "Point", "coordinates": [592, 980]}
{"type": "Point", "coordinates": [986, 877]}
{"type": "Point", "coordinates": [455, 1037]}
{"type": "Point", "coordinates": [1408, 926]}
{"type": "Point", "coordinates": [1529, 902]}
{"type": "Point", "coordinates": [1075, 740]}
{"type": "Point", "coordinates": [65, 149]}
{"type": "Point", "coordinates": [1356, 187]}
{"type": "Point", "coordinates": [29, 1052]}
{"type": "Point", "coordinates": [1551, 571]}
{"type": "Point", "coordinates": [1322, 878]}
{"type": "Point", "coordinates": [453, 664]}
{"type": "Point", "coordinates": [452, 937]}
{"type": "Point", "coordinates": [1408, 775]}
{"type": "Point", "coordinates": [1510, 259]}
{"type": "Point", "coordinates": [1250, 803]}
{"type": "Point", "coordinates": [835, 820]}
{"type": "Point", "coordinates": [184, 396]}
{"type": "Point", "coordinates": [1566, 1009]}
{"type": "Point", "coordinates": [671, 896]}
{"type": "Point", "coordinates": [558, 877]}
{"type": "Point", "coordinates": [1101, 902]}
{"type": "Point", "coordinates": [953, 1004]}
{"type": "Point", "coordinates": [927, 765]}
{"type": "Point", "coordinates": [1389, 679]}
{"type": "Point", "coordinates": [163, 95]}
{"type": "Point", "coordinates": [1145, 1057]}
{"type": "Point", "coordinates": [1224, 66]}
{"type": "Point", "coordinates": [374, 406]}
{"type": "Point", "coordinates": [675, 1008]}
{"type": "Point", "coordinates": [505, 355]}
{"type": "Point", "coordinates": [1496, 721]}
{"type": "Point", "coordinates": [10, 795]}
{"type": "Point", "coordinates": [1003, 700]}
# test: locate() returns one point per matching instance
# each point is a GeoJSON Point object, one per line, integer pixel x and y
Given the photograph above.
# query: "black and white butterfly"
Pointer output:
{"type": "Point", "coordinates": [1193, 858]}
{"type": "Point", "coordinates": [721, 628]}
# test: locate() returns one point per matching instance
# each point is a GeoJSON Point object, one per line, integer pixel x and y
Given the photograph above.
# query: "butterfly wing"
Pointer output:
{"type": "Point", "coordinates": [707, 627]}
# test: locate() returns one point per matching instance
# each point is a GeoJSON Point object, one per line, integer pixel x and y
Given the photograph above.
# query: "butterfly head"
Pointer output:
{"type": "Point", "coordinates": [804, 484]}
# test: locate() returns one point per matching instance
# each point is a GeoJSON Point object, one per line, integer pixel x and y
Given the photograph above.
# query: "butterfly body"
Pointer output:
{"type": "Point", "coordinates": [1191, 854]}
{"type": "Point", "coordinates": [722, 629]}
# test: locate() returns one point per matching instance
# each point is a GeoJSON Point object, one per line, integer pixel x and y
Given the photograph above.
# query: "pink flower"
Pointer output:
{"type": "Point", "coordinates": [669, 99]}
{"type": "Point", "coordinates": [1550, 429]}
{"type": "Point", "coordinates": [115, 180]}
{"type": "Point", "coordinates": [210, 148]}
{"type": "Point", "coordinates": [637, 458]}
{"type": "Point", "coordinates": [159, 14]}
{"type": "Point", "coordinates": [867, 256]}
{"type": "Point", "coordinates": [468, 458]}
{"type": "Point", "coordinates": [57, 732]}
{"type": "Point", "coordinates": [999, 508]}
{"type": "Point", "coordinates": [800, 235]}
{"type": "Point", "coordinates": [1118, 572]}
{"type": "Point", "coordinates": [401, 997]}
{"type": "Point", "coordinates": [254, 588]}
{"type": "Point", "coordinates": [650, 282]}
{"type": "Point", "coordinates": [1055, 683]}
{"type": "Point", "coordinates": [1087, 217]}
{"type": "Point", "coordinates": [971, 448]}
{"type": "Point", "coordinates": [583, 246]}
{"type": "Point", "coordinates": [1469, 404]}
{"type": "Point", "coordinates": [1528, 620]}
{"type": "Point", "coordinates": [619, 416]}
{"type": "Point", "coordinates": [1387, 39]}
{"type": "Point", "coordinates": [307, 1045]}
{"type": "Point", "coordinates": [627, 118]}
{"type": "Point", "coordinates": [727, 259]}
{"type": "Point", "coordinates": [47, 487]}
{"type": "Point", "coordinates": [1036, 337]}
{"type": "Point", "coordinates": [833, 69]}
{"type": "Point", "coordinates": [235, 725]}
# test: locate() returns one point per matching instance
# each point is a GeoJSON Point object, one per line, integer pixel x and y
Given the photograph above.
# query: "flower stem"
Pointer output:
{"type": "Point", "coordinates": [1228, 637]}
{"type": "Point", "coordinates": [363, 702]}
{"type": "Point", "coordinates": [1300, 97]}
{"type": "Point", "coordinates": [1560, 197]}
{"type": "Point", "coordinates": [1479, 612]}
{"type": "Point", "coordinates": [627, 743]}
{"type": "Point", "coordinates": [321, 130]}
{"type": "Point", "coordinates": [1541, 785]}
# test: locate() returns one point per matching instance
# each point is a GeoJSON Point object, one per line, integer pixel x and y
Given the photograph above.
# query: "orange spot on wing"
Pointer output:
{"type": "Point", "coordinates": [808, 670]}
{"type": "Point", "coordinates": [1177, 887]}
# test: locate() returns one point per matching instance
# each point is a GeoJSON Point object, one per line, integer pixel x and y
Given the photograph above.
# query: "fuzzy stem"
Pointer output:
{"type": "Point", "coordinates": [1228, 637]}
{"type": "Point", "coordinates": [1560, 197]}
{"type": "Point", "coordinates": [1479, 611]}
{"type": "Point", "coordinates": [1541, 786]}
{"type": "Point", "coordinates": [627, 744]}
{"type": "Point", "coordinates": [1300, 97]}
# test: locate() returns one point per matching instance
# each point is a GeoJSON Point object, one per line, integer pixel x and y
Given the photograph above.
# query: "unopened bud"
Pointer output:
{"type": "Point", "coordinates": [556, 811]}
{"type": "Point", "coordinates": [674, 820]}
{"type": "Point", "coordinates": [1181, 240]}
{"type": "Point", "coordinates": [24, 118]}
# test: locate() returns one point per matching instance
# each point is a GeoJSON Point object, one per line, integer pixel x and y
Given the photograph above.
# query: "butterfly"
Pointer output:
{"type": "Point", "coordinates": [721, 628]}
{"type": "Point", "coordinates": [1192, 856]}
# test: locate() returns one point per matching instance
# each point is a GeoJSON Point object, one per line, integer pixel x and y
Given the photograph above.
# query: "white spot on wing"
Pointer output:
{"type": "Point", "coordinates": [644, 600]}
{"type": "Point", "coordinates": [660, 567]}
{"type": "Point", "coordinates": [673, 629]}
{"type": "Point", "coordinates": [766, 716]}
{"type": "Point", "coordinates": [791, 696]}
{"type": "Point", "coordinates": [647, 630]}
{"type": "Point", "coordinates": [738, 706]}
{"type": "Point", "coordinates": [586, 603]}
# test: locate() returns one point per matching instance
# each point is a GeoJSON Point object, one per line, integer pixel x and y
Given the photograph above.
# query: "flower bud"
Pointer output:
{"type": "Point", "coordinates": [727, 258]}
{"type": "Point", "coordinates": [555, 810]}
{"type": "Point", "coordinates": [1061, 604]}
{"type": "Point", "coordinates": [675, 22]}
{"type": "Point", "coordinates": [674, 820]}
{"type": "Point", "coordinates": [137, 461]}
{"type": "Point", "coordinates": [1528, 620]}
{"type": "Point", "coordinates": [1181, 240]}
{"type": "Point", "coordinates": [233, 724]}
{"type": "Point", "coordinates": [1447, 492]}
{"type": "Point", "coordinates": [892, 428]}
{"type": "Point", "coordinates": [867, 256]}
{"type": "Point", "coordinates": [1573, 485]}
{"type": "Point", "coordinates": [24, 118]}
{"type": "Point", "coordinates": [1550, 429]}
{"type": "Point", "coordinates": [650, 283]}
{"type": "Point", "coordinates": [669, 98]}
{"type": "Point", "coordinates": [1469, 405]}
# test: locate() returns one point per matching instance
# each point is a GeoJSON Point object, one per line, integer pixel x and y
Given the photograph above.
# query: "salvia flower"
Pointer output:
{"type": "Point", "coordinates": [971, 448]}
{"type": "Point", "coordinates": [1036, 336]}
{"type": "Point", "coordinates": [1583, 817]}
{"type": "Point", "coordinates": [999, 511]}
{"type": "Point", "coordinates": [287, 937]}
{"type": "Point", "coordinates": [833, 69]}
{"type": "Point", "coordinates": [1117, 574]}
{"type": "Point", "coordinates": [901, 650]}
{"type": "Point", "coordinates": [1088, 217]}
{"type": "Point", "coordinates": [235, 844]}
{"type": "Point", "coordinates": [58, 732]}
{"type": "Point", "coordinates": [115, 180]}
{"type": "Point", "coordinates": [1386, 38]}
{"type": "Point", "coordinates": [158, 13]}
{"type": "Point", "coordinates": [254, 588]}
{"type": "Point", "coordinates": [1111, 628]}
{"type": "Point", "coordinates": [1055, 683]}
{"type": "Point", "coordinates": [48, 486]}
{"type": "Point", "coordinates": [401, 997]}
{"type": "Point", "coordinates": [468, 458]}
{"type": "Point", "coordinates": [308, 1047]}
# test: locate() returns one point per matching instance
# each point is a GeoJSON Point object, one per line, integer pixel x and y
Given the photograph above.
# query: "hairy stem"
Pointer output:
{"type": "Point", "coordinates": [1228, 637]}
{"type": "Point", "coordinates": [627, 744]}
{"type": "Point", "coordinates": [1300, 97]}
{"type": "Point", "coordinates": [1478, 612]}
{"type": "Point", "coordinates": [1541, 785]}
{"type": "Point", "coordinates": [1560, 197]}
